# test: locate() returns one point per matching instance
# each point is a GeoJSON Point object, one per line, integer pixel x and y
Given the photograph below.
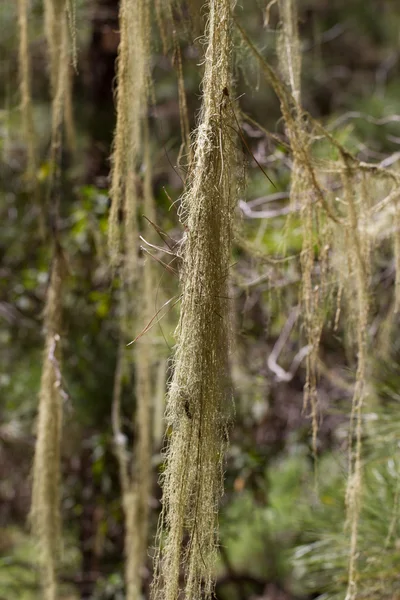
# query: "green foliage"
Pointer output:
{"type": "Point", "coordinates": [321, 565]}
{"type": "Point", "coordinates": [258, 535]}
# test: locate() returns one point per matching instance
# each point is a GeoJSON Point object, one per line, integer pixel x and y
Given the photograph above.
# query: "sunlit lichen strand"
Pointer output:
{"type": "Point", "coordinates": [198, 399]}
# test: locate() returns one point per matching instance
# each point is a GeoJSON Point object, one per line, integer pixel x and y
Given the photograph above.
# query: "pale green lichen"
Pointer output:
{"type": "Point", "coordinates": [198, 398]}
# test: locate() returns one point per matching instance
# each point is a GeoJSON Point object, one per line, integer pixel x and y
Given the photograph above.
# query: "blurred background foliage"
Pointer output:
{"type": "Point", "coordinates": [282, 516]}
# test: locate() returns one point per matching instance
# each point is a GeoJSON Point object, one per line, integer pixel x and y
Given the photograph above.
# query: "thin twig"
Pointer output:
{"type": "Point", "coordinates": [265, 214]}
{"type": "Point", "coordinates": [280, 373]}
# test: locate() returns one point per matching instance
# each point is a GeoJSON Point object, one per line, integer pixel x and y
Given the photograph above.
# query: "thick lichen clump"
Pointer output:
{"type": "Point", "coordinates": [198, 400]}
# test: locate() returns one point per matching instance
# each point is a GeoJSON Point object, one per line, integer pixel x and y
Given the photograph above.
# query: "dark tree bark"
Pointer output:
{"type": "Point", "coordinates": [99, 86]}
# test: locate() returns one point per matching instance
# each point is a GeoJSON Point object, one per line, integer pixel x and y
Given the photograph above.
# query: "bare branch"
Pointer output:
{"type": "Point", "coordinates": [265, 199]}
{"type": "Point", "coordinates": [265, 214]}
{"type": "Point", "coordinates": [281, 374]}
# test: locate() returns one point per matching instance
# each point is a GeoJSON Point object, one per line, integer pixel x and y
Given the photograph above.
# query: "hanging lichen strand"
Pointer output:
{"type": "Point", "coordinates": [132, 93]}
{"type": "Point", "coordinates": [359, 261]}
{"type": "Point", "coordinates": [136, 478]}
{"type": "Point", "coordinates": [137, 525]}
{"type": "Point", "coordinates": [56, 32]}
{"type": "Point", "coordinates": [341, 205]}
{"type": "Point", "coordinates": [288, 46]}
{"type": "Point", "coordinates": [130, 159]}
{"type": "Point", "coordinates": [54, 12]}
{"type": "Point", "coordinates": [303, 195]}
{"type": "Point", "coordinates": [198, 399]}
{"type": "Point", "coordinates": [25, 89]}
{"type": "Point", "coordinates": [45, 510]}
